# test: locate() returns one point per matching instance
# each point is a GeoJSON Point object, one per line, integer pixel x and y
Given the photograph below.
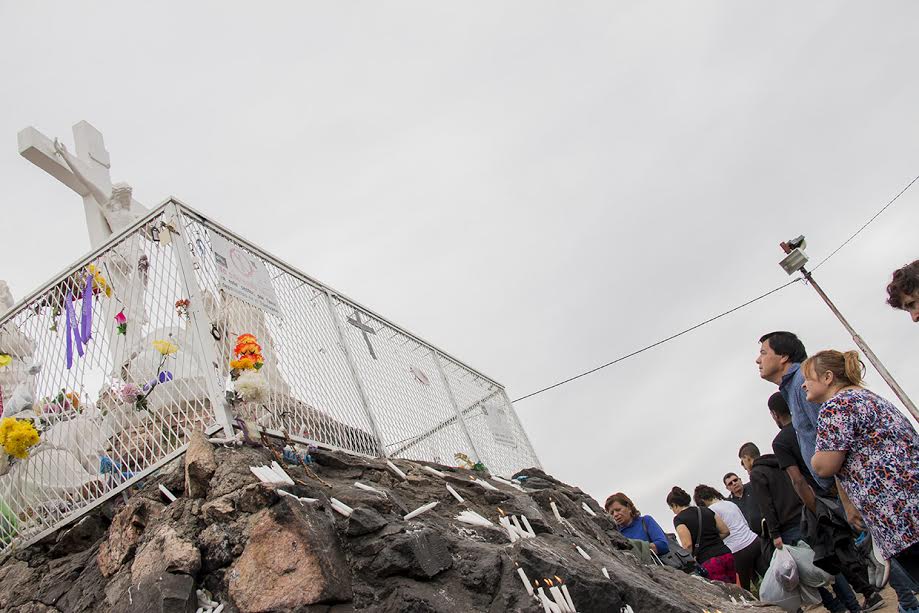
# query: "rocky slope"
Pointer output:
{"type": "Point", "coordinates": [254, 549]}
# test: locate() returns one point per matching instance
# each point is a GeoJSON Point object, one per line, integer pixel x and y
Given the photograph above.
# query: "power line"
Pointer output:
{"type": "Point", "coordinates": [728, 312]}
{"type": "Point", "coordinates": [660, 342]}
{"type": "Point", "coordinates": [875, 216]}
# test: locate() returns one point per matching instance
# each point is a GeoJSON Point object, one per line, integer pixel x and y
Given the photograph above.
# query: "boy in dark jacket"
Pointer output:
{"type": "Point", "coordinates": [772, 489]}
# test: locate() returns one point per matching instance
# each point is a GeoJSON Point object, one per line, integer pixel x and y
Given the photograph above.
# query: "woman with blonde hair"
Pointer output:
{"type": "Point", "coordinates": [871, 448]}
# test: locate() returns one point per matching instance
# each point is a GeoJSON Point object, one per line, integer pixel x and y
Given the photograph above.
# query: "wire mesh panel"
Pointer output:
{"type": "Point", "coordinates": [114, 362]}
{"type": "Point", "coordinates": [312, 394]}
{"type": "Point", "coordinates": [100, 368]}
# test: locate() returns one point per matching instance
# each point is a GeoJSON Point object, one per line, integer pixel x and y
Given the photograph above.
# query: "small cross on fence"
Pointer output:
{"type": "Point", "coordinates": [365, 330]}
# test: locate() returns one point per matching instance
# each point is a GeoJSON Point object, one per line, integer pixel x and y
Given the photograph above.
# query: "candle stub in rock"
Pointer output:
{"type": "Point", "coordinates": [454, 494]}
{"type": "Point", "coordinates": [420, 510]}
{"type": "Point", "coordinates": [396, 470]}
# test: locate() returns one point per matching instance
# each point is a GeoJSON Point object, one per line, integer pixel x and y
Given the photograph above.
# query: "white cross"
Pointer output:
{"type": "Point", "coordinates": [94, 163]}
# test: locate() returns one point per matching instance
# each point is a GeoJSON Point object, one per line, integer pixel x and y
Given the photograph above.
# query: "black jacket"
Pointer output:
{"type": "Point", "coordinates": [750, 509]}
{"type": "Point", "coordinates": [775, 495]}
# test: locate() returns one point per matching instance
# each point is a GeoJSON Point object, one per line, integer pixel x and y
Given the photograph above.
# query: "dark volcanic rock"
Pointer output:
{"type": "Point", "coordinates": [256, 550]}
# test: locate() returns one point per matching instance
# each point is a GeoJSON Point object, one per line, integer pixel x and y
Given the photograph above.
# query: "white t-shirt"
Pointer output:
{"type": "Point", "coordinates": [741, 536]}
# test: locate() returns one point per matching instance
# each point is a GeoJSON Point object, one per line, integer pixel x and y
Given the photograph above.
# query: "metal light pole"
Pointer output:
{"type": "Point", "coordinates": [794, 262]}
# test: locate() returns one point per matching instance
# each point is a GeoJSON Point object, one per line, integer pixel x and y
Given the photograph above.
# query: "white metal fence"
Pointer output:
{"type": "Point", "coordinates": [338, 374]}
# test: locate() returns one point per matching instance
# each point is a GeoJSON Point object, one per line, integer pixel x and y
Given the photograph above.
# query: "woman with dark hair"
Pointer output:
{"type": "Point", "coordinates": [632, 524]}
{"type": "Point", "coordinates": [701, 532]}
{"type": "Point", "coordinates": [742, 541]}
{"type": "Point", "coordinates": [873, 451]}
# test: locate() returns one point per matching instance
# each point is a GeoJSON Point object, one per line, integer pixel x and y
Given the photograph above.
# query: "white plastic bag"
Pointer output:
{"type": "Point", "coordinates": [808, 574]}
{"type": "Point", "coordinates": [780, 585]}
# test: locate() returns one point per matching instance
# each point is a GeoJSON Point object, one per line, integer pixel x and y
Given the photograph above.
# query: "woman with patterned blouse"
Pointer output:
{"type": "Point", "coordinates": [871, 448]}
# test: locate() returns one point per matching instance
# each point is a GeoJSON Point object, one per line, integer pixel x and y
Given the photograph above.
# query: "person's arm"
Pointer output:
{"type": "Point", "coordinates": [96, 193]}
{"type": "Point", "coordinates": [682, 533]}
{"type": "Point", "coordinates": [764, 499]}
{"type": "Point", "coordinates": [657, 536]}
{"type": "Point", "coordinates": [852, 515]}
{"type": "Point", "coordinates": [828, 463]}
{"type": "Point", "coordinates": [802, 488]}
{"type": "Point", "coordinates": [723, 530]}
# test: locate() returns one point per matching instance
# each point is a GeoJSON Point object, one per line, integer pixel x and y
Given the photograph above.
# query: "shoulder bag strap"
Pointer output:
{"type": "Point", "coordinates": [698, 539]}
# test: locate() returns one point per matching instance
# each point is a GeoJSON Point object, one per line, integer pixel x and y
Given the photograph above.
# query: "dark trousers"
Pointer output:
{"type": "Point", "coordinates": [746, 562]}
{"type": "Point", "coordinates": [909, 560]}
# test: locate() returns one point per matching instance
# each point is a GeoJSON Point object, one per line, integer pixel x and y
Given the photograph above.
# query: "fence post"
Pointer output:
{"type": "Point", "coordinates": [521, 430]}
{"type": "Point", "coordinates": [365, 403]}
{"type": "Point", "coordinates": [198, 320]}
{"type": "Point", "coordinates": [456, 409]}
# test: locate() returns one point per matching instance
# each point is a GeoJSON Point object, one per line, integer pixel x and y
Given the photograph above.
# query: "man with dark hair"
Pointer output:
{"type": "Point", "coordinates": [742, 496]}
{"type": "Point", "coordinates": [779, 361]}
{"type": "Point", "coordinates": [903, 290]}
{"type": "Point", "coordinates": [823, 522]}
{"type": "Point", "coordinates": [774, 494]}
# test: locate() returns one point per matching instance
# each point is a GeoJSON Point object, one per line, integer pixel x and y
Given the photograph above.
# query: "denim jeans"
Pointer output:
{"type": "Point", "coordinates": [904, 586]}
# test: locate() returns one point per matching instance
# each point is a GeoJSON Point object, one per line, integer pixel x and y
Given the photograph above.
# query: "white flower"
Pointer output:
{"type": "Point", "coordinates": [251, 386]}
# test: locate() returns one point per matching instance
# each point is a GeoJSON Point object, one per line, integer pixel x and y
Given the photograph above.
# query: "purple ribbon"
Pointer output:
{"type": "Point", "coordinates": [78, 331]}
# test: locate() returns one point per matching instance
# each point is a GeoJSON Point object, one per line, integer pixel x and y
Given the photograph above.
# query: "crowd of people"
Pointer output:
{"type": "Point", "coordinates": [843, 477]}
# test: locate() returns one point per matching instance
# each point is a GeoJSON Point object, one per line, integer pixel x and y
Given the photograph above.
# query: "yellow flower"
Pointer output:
{"type": "Point", "coordinates": [5, 359]}
{"type": "Point", "coordinates": [165, 347]}
{"type": "Point", "coordinates": [16, 436]}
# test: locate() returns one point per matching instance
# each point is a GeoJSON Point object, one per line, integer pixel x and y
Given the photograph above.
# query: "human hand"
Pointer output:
{"type": "Point", "coordinates": [855, 520]}
{"type": "Point", "coordinates": [777, 541]}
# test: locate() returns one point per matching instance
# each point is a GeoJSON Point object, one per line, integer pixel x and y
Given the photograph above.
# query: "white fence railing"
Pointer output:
{"type": "Point", "coordinates": [338, 374]}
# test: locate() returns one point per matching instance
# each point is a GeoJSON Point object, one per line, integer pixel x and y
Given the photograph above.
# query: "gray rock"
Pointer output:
{"type": "Point", "coordinates": [422, 554]}
{"type": "Point", "coordinates": [363, 521]}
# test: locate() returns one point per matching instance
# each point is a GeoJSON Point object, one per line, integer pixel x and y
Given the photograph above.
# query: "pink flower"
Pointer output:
{"type": "Point", "coordinates": [129, 393]}
{"type": "Point", "coordinates": [120, 318]}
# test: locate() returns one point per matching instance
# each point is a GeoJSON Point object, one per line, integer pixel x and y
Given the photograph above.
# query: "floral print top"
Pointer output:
{"type": "Point", "coordinates": [881, 470]}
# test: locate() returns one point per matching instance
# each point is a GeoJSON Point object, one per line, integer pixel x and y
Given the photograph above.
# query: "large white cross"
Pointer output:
{"type": "Point", "coordinates": [94, 163]}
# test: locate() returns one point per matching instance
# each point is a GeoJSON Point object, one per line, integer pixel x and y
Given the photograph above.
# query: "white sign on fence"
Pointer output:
{"type": "Point", "coordinates": [499, 423]}
{"type": "Point", "coordinates": [243, 275]}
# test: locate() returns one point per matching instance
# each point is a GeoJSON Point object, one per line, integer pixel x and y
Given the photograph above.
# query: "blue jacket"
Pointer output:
{"type": "Point", "coordinates": [644, 528]}
{"type": "Point", "coordinates": [804, 417]}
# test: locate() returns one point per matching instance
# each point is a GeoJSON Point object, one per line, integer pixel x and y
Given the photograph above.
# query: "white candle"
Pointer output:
{"type": "Point", "coordinates": [433, 471]}
{"type": "Point", "coordinates": [567, 596]}
{"type": "Point", "coordinates": [283, 493]}
{"type": "Point", "coordinates": [560, 599]}
{"type": "Point", "coordinates": [167, 493]}
{"type": "Point", "coordinates": [552, 605]}
{"type": "Point", "coordinates": [420, 510]}
{"type": "Point", "coordinates": [396, 470]}
{"type": "Point", "coordinates": [285, 478]}
{"type": "Point", "coordinates": [526, 524]}
{"type": "Point", "coordinates": [510, 530]}
{"type": "Point", "coordinates": [526, 581]}
{"type": "Point", "coordinates": [544, 601]}
{"type": "Point", "coordinates": [219, 608]}
{"type": "Point", "coordinates": [605, 572]}
{"type": "Point", "coordinates": [506, 482]}
{"type": "Point", "coordinates": [582, 552]}
{"type": "Point", "coordinates": [555, 510]}
{"type": "Point", "coordinates": [455, 495]}
{"type": "Point", "coordinates": [341, 507]}
{"type": "Point", "coordinates": [368, 488]}
{"type": "Point", "coordinates": [519, 528]}
{"type": "Point", "coordinates": [587, 508]}
{"type": "Point", "coordinates": [474, 519]}
{"type": "Point", "coordinates": [485, 484]}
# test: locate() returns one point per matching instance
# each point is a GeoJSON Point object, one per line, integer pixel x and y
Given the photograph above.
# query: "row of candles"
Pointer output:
{"type": "Point", "coordinates": [558, 600]}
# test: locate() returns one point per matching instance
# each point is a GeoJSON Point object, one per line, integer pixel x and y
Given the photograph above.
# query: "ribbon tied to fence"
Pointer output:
{"type": "Point", "coordinates": [78, 332]}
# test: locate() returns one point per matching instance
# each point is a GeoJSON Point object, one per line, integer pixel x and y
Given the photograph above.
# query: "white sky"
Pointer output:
{"type": "Point", "coordinates": [535, 187]}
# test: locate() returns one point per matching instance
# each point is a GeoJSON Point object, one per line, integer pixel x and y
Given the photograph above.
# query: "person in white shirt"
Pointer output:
{"type": "Point", "coordinates": [742, 541]}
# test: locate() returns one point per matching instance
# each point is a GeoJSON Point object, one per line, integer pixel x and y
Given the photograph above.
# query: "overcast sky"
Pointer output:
{"type": "Point", "coordinates": [535, 187]}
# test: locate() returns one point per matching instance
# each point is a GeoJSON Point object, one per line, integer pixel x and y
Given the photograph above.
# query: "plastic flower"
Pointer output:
{"type": "Point", "coordinates": [5, 359]}
{"type": "Point", "coordinates": [165, 347]}
{"type": "Point", "coordinates": [122, 322]}
{"type": "Point", "coordinates": [251, 386]}
{"type": "Point", "coordinates": [100, 285]}
{"type": "Point", "coordinates": [17, 436]}
{"type": "Point", "coordinates": [129, 393]}
{"type": "Point", "coordinates": [248, 353]}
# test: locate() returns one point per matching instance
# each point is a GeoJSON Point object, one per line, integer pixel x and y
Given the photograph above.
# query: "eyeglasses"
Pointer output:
{"type": "Point", "coordinates": [732, 482]}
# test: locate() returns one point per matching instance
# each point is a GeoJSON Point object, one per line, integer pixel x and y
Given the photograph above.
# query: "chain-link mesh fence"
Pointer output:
{"type": "Point", "coordinates": [119, 358]}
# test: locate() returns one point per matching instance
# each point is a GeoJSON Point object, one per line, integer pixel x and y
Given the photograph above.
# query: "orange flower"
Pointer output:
{"type": "Point", "coordinates": [247, 348]}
